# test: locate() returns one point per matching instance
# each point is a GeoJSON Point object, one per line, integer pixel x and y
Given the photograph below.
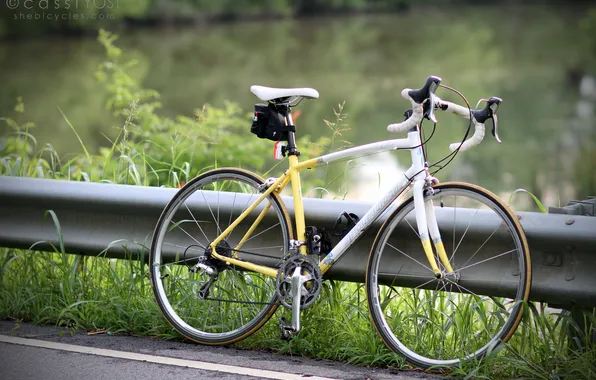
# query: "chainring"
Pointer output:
{"type": "Point", "coordinates": [310, 289]}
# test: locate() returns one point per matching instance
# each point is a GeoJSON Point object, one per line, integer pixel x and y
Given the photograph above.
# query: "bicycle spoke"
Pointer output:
{"type": "Point", "coordinates": [413, 229]}
{"type": "Point", "coordinates": [232, 209]}
{"type": "Point", "coordinates": [179, 261]}
{"type": "Point", "coordinates": [454, 219]}
{"type": "Point", "coordinates": [460, 287]}
{"type": "Point", "coordinates": [187, 234]}
{"type": "Point", "coordinates": [487, 239]}
{"type": "Point", "coordinates": [196, 222]}
{"type": "Point", "coordinates": [427, 282]}
{"type": "Point", "coordinates": [271, 247]}
{"type": "Point", "coordinates": [181, 246]}
{"type": "Point", "coordinates": [405, 275]}
{"type": "Point", "coordinates": [468, 291]}
{"type": "Point", "coordinates": [254, 236]}
{"type": "Point", "coordinates": [410, 257]}
{"type": "Point", "coordinates": [248, 201]}
{"type": "Point", "coordinates": [466, 231]}
{"type": "Point", "coordinates": [219, 229]}
{"type": "Point", "coordinates": [491, 258]}
{"type": "Point", "coordinates": [417, 287]}
{"type": "Point", "coordinates": [216, 220]}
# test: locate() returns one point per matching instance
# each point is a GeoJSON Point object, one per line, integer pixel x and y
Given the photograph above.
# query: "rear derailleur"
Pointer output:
{"type": "Point", "coordinates": [207, 264]}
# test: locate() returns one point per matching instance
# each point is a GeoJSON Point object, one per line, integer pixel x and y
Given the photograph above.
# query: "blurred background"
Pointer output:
{"type": "Point", "coordinates": [539, 56]}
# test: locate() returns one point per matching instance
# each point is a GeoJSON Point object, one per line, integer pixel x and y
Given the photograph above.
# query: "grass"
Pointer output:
{"type": "Point", "coordinates": [101, 293]}
{"type": "Point", "coordinates": [534, 198]}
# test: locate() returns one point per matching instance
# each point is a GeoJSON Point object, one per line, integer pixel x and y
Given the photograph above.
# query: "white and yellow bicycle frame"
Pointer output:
{"type": "Point", "coordinates": [417, 176]}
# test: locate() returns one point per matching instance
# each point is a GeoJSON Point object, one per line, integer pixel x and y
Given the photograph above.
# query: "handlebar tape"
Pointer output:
{"type": "Point", "coordinates": [466, 114]}
{"type": "Point", "coordinates": [417, 99]}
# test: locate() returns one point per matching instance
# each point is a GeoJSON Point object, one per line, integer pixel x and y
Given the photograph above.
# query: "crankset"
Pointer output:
{"type": "Point", "coordinates": [310, 281]}
{"type": "Point", "coordinates": [299, 282]}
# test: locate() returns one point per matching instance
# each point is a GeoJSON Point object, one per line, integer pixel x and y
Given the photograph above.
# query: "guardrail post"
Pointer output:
{"type": "Point", "coordinates": [582, 331]}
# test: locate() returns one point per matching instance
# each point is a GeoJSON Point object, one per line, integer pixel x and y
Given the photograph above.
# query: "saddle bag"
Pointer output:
{"type": "Point", "coordinates": [269, 123]}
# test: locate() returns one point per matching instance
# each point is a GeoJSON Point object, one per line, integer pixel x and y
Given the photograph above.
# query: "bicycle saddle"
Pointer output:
{"type": "Point", "coordinates": [270, 93]}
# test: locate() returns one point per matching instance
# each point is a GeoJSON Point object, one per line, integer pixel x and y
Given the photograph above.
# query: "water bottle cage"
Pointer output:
{"type": "Point", "coordinates": [344, 223]}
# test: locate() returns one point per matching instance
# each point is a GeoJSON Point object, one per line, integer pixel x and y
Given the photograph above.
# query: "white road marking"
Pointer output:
{"type": "Point", "coordinates": [158, 359]}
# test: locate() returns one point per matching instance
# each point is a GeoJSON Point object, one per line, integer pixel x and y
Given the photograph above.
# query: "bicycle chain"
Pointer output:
{"type": "Point", "coordinates": [310, 292]}
{"type": "Point", "coordinates": [259, 254]}
{"type": "Point", "coordinates": [249, 302]}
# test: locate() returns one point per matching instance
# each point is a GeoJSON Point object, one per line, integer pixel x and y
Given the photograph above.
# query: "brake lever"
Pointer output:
{"type": "Point", "coordinates": [429, 108]}
{"type": "Point", "coordinates": [493, 107]}
{"type": "Point", "coordinates": [495, 127]}
{"type": "Point", "coordinates": [426, 97]}
{"type": "Point", "coordinates": [489, 112]}
{"type": "Point", "coordinates": [431, 113]}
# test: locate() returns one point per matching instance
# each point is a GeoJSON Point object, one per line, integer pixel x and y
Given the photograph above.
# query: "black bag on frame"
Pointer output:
{"type": "Point", "coordinates": [269, 123]}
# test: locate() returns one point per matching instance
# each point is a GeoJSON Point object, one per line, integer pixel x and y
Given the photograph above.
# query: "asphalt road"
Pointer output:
{"type": "Point", "coordinates": [45, 353]}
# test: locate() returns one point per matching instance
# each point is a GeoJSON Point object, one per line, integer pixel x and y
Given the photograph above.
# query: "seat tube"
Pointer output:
{"type": "Point", "coordinates": [418, 189]}
{"type": "Point", "coordinates": [296, 185]}
{"type": "Point", "coordinates": [298, 206]}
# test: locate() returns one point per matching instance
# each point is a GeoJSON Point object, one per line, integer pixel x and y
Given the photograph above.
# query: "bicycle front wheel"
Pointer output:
{"type": "Point", "coordinates": [436, 323]}
{"type": "Point", "coordinates": [229, 303]}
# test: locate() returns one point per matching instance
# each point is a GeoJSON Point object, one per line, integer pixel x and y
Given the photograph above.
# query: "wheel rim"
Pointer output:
{"type": "Point", "coordinates": [239, 301]}
{"type": "Point", "coordinates": [439, 322]}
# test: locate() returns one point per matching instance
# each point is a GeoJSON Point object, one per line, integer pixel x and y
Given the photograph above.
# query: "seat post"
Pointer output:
{"type": "Point", "coordinates": [292, 149]}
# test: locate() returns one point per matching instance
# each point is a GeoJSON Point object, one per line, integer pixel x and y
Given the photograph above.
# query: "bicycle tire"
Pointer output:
{"type": "Point", "coordinates": [433, 323]}
{"type": "Point", "coordinates": [239, 301]}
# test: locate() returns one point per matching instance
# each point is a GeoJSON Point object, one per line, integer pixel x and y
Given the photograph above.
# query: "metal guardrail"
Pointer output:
{"type": "Point", "coordinates": [118, 221]}
{"type": "Point", "coordinates": [586, 207]}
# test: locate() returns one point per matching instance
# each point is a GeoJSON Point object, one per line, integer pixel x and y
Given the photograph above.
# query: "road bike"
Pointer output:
{"type": "Point", "coordinates": [225, 253]}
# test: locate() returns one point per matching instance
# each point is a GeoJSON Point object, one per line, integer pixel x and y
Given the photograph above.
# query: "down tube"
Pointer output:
{"type": "Point", "coordinates": [338, 251]}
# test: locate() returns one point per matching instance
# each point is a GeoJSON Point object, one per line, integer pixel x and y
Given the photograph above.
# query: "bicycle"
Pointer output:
{"type": "Point", "coordinates": [219, 277]}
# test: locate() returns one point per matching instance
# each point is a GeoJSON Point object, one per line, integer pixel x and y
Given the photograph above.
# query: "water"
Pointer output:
{"type": "Point", "coordinates": [534, 57]}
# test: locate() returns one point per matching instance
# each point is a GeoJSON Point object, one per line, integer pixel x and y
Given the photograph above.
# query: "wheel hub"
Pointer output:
{"type": "Point", "coordinates": [223, 248]}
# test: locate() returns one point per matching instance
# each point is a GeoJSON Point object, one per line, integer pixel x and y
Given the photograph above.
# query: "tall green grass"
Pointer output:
{"type": "Point", "coordinates": [101, 293]}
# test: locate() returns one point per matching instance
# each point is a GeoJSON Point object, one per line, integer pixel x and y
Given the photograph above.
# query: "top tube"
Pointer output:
{"type": "Point", "coordinates": [412, 141]}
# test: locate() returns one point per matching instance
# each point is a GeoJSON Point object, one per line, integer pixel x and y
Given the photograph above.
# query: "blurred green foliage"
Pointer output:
{"type": "Point", "coordinates": [533, 56]}
{"type": "Point", "coordinates": [149, 149]}
{"type": "Point", "coordinates": [37, 17]}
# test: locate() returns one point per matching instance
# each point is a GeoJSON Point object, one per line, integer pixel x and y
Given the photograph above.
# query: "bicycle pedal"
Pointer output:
{"type": "Point", "coordinates": [287, 331]}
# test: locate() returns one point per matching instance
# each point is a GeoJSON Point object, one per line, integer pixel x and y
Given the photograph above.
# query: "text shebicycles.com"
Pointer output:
{"type": "Point", "coordinates": [55, 9]}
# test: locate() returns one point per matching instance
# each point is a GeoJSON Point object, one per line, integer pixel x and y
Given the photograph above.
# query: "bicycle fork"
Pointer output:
{"type": "Point", "coordinates": [427, 224]}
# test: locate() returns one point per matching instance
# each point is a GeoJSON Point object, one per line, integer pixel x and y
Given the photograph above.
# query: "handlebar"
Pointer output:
{"type": "Point", "coordinates": [418, 98]}
{"type": "Point", "coordinates": [479, 117]}
{"type": "Point", "coordinates": [424, 102]}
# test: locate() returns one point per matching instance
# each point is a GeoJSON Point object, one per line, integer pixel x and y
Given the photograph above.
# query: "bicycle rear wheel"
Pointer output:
{"type": "Point", "coordinates": [437, 323]}
{"type": "Point", "coordinates": [230, 303]}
